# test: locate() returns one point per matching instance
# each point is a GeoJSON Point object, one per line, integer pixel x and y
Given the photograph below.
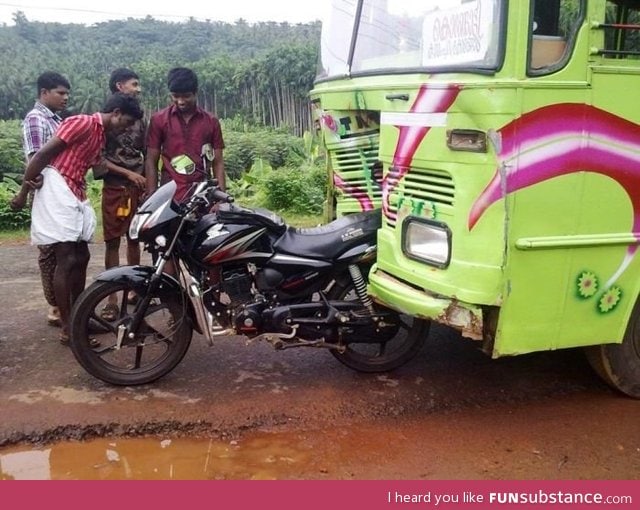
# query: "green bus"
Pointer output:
{"type": "Point", "coordinates": [501, 139]}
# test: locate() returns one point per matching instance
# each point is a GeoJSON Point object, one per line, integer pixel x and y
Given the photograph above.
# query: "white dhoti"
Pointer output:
{"type": "Point", "coordinates": [57, 215]}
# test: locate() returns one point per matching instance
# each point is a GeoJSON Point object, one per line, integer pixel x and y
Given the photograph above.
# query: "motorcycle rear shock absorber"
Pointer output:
{"type": "Point", "coordinates": [361, 287]}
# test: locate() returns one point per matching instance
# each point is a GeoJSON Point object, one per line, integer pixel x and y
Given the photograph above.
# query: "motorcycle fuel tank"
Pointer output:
{"type": "Point", "coordinates": [216, 242]}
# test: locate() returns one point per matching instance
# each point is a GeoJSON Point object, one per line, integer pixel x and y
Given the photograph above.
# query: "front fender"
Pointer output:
{"type": "Point", "coordinates": [137, 277]}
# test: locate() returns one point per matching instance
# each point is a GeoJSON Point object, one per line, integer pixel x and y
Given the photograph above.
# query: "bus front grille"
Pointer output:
{"type": "Point", "coordinates": [351, 161]}
{"type": "Point", "coordinates": [426, 192]}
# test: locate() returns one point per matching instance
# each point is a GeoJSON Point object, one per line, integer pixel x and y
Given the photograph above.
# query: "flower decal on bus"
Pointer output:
{"type": "Point", "coordinates": [587, 284]}
{"type": "Point", "coordinates": [610, 299]}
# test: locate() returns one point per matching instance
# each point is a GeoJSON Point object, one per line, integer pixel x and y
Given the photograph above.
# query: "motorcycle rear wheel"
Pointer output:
{"type": "Point", "coordinates": [380, 356]}
{"type": "Point", "coordinates": [160, 343]}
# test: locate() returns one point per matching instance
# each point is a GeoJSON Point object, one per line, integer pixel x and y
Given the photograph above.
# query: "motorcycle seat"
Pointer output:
{"type": "Point", "coordinates": [331, 240]}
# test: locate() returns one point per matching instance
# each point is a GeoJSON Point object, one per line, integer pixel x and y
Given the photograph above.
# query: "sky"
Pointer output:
{"type": "Point", "coordinates": [83, 11]}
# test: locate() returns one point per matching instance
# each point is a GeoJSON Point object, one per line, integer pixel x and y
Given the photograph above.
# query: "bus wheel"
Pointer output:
{"type": "Point", "coordinates": [619, 364]}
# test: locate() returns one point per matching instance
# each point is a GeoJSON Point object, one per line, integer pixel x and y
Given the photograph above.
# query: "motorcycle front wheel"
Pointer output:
{"type": "Point", "coordinates": [364, 355]}
{"type": "Point", "coordinates": [124, 357]}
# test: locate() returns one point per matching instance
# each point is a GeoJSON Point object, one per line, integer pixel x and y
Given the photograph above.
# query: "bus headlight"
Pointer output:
{"type": "Point", "coordinates": [137, 222]}
{"type": "Point", "coordinates": [427, 241]}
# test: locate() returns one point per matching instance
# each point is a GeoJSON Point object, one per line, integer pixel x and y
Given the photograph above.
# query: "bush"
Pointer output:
{"type": "Point", "coordinates": [10, 219]}
{"type": "Point", "coordinates": [11, 155]}
{"type": "Point", "coordinates": [277, 149]}
{"type": "Point", "coordinates": [301, 191]}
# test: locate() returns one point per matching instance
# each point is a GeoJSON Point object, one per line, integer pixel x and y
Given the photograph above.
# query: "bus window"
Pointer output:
{"type": "Point", "coordinates": [435, 35]}
{"type": "Point", "coordinates": [336, 37]}
{"type": "Point", "coordinates": [621, 39]}
{"type": "Point", "coordinates": [554, 27]}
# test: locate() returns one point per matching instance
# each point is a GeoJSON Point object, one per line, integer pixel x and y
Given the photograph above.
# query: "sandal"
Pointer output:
{"type": "Point", "coordinates": [53, 317]}
{"type": "Point", "coordinates": [110, 312]}
{"type": "Point", "coordinates": [64, 340]}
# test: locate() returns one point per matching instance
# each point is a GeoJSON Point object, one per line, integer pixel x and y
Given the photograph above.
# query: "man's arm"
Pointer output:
{"type": "Point", "coordinates": [34, 135]}
{"type": "Point", "coordinates": [35, 167]}
{"type": "Point", "coordinates": [136, 179]}
{"type": "Point", "coordinates": [218, 168]}
{"type": "Point", "coordinates": [151, 169]}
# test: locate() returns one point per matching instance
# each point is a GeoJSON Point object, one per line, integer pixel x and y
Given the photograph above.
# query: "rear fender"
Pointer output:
{"type": "Point", "coordinates": [138, 278]}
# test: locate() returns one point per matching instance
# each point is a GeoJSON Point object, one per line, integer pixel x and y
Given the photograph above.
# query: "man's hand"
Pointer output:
{"type": "Point", "coordinates": [19, 201]}
{"type": "Point", "coordinates": [138, 180]}
{"type": "Point", "coordinates": [36, 183]}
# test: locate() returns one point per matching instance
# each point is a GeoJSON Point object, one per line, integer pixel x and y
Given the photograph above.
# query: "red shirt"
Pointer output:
{"type": "Point", "coordinates": [169, 134]}
{"type": "Point", "coordinates": [85, 139]}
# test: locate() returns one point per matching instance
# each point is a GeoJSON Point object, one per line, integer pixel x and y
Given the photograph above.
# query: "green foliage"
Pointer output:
{"type": "Point", "coordinates": [11, 155]}
{"type": "Point", "coordinates": [275, 148]}
{"type": "Point", "coordinates": [298, 190]}
{"type": "Point", "coordinates": [249, 185]}
{"type": "Point", "coordinates": [9, 219]}
{"type": "Point", "coordinates": [272, 169]}
{"type": "Point", "coordinates": [94, 190]}
{"type": "Point", "coordinates": [11, 172]}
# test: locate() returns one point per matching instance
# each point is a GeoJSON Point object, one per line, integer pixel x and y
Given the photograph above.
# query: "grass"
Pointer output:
{"type": "Point", "coordinates": [301, 220]}
{"type": "Point", "coordinates": [15, 236]}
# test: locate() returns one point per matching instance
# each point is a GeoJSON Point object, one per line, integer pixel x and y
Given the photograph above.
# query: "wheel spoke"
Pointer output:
{"type": "Point", "coordinates": [105, 324]}
{"type": "Point", "coordinates": [403, 325]}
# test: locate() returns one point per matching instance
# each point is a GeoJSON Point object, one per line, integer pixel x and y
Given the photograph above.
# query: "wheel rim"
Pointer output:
{"type": "Point", "coordinates": [379, 352]}
{"type": "Point", "coordinates": [153, 344]}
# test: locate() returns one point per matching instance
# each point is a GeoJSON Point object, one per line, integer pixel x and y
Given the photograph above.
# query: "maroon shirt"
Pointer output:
{"type": "Point", "coordinates": [169, 134]}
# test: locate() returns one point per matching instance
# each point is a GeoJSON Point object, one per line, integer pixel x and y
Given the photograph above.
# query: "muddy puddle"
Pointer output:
{"type": "Point", "coordinates": [262, 457]}
{"type": "Point", "coordinates": [572, 438]}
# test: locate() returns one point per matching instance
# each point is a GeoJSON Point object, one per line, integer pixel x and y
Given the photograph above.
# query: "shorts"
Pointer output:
{"type": "Point", "coordinates": [119, 204]}
{"type": "Point", "coordinates": [57, 215]}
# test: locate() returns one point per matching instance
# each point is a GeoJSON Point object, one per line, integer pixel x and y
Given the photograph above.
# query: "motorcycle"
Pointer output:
{"type": "Point", "coordinates": [221, 269]}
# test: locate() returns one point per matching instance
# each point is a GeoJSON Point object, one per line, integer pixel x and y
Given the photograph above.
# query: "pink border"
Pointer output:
{"type": "Point", "coordinates": [311, 495]}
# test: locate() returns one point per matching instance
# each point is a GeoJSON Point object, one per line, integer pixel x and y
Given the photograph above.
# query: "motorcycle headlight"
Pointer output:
{"type": "Point", "coordinates": [137, 223]}
{"type": "Point", "coordinates": [427, 241]}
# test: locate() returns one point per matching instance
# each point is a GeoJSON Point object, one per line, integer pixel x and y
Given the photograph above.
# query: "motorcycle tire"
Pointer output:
{"type": "Point", "coordinates": [160, 343]}
{"type": "Point", "coordinates": [380, 356]}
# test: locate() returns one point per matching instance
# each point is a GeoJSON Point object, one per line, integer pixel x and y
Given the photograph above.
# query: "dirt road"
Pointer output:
{"type": "Point", "coordinates": [451, 413]}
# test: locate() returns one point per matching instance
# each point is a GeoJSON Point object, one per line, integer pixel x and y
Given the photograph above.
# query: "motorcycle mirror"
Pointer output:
{"type": "Point", "coordinates": [183, 165]}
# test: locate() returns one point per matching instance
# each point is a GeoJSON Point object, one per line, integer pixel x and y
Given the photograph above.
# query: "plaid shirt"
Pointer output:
{"type": "Point", "coordinates": [37, 128]}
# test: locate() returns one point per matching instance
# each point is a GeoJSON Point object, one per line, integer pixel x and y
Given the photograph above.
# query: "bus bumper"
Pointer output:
{"type": "Point", "coordinates": [403, 298]}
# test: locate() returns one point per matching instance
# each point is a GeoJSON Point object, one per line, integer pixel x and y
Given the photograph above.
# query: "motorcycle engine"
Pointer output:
{"type": "Point", "coordinates": [237, 283]}
{"type": "Point", "coordinates": [245, 303]}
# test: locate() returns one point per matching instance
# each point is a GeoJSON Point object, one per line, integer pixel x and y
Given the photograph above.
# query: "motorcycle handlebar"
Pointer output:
{"type": "Point", "coordinates": [217, 195]}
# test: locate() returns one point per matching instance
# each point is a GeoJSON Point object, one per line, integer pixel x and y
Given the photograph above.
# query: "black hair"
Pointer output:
{"type": "Point", "coordinates": [50, 81]}
{"type": "Point", "coordinates": [126, 103]}
{"type": "Point", "coordinates": [182, 80]}
{"type": "Point", "coordinates": [121, 75]}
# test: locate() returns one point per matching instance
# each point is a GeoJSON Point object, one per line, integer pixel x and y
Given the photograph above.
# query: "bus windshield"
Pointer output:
{"type": "Point", "coordinates": [405, 35]}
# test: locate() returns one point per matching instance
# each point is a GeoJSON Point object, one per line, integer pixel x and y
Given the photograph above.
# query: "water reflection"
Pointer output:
{"type": "Point", "coordinates": [266, 456]}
